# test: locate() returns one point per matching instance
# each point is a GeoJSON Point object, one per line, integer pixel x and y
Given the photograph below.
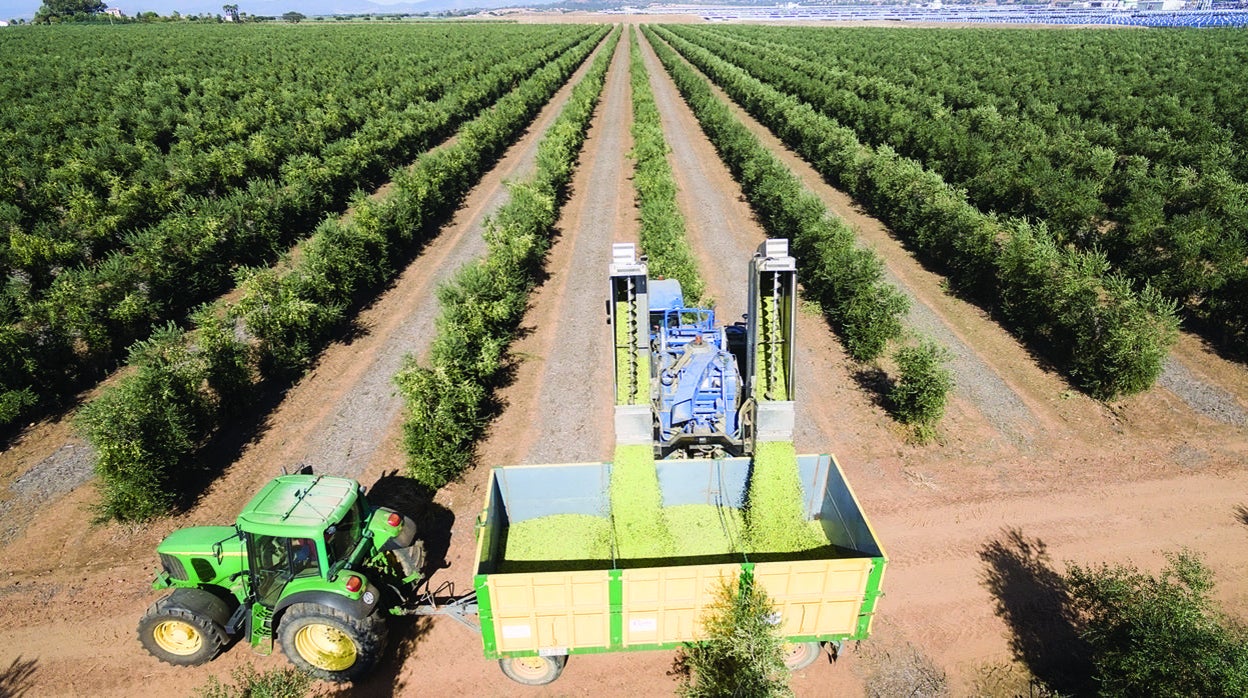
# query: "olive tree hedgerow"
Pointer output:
{"type": "Point", "coordinates": [1159, 636]}
{"type": "Point", "coordinates": [448, 401]}
{"type": "Point", "coordinates": [919, 396]}
{"type": "Point", "coordinates": [742, 654]}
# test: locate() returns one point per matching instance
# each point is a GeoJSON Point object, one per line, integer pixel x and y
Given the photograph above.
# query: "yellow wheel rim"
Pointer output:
{"type": "Point", "coordinates": [178, 637]}
{"type": "Point", "coordinates": [325, 647]}
{"type": "Point", "coordinates": [530, 667]}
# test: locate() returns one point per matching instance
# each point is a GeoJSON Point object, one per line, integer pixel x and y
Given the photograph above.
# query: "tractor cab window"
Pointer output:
{"type": "Point", "coordinates": [277, 560]}
{"type": "Point", "coordinates": [342, 536]}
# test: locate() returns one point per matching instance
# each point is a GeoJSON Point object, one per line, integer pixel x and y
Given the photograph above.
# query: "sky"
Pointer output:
{"type": "Point", "coordinates": [11, 9]}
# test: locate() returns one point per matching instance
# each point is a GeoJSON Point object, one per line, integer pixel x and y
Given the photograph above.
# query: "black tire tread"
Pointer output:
{"type": "Point", "coordinates": [169, 608]}
{"type": "Point", "coordinates": [369, 634]}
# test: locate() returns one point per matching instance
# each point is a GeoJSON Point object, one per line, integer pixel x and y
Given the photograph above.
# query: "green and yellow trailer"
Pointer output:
{"type": "Point", "coordinates": [536, 612]}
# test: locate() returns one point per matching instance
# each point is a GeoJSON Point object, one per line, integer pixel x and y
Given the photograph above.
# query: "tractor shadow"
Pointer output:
{"type": "Point", "coordinates": [1034, 601]}
{"type": "Point", "coordinates": [415, 501]}
{"type": "Point", "coordinates": [433, 525]}
{"type": "Point", "coordinates": [18, 678]}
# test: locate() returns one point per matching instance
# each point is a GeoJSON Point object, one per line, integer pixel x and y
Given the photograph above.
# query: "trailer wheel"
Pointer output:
{"type": "Point", "coordinates": [330, 644]}
{"type": "Point", "coordinates": [533, 671]}
{"type": "Point", "coordinates": [799, 655]}
{"type": "Point", "coordinates": [186, 628]}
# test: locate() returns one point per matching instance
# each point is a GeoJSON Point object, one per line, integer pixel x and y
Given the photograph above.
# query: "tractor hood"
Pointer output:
{"type": "Point", "coordinates": [196, 540]}
{"type": "Point", "coordinates": [200, 555]}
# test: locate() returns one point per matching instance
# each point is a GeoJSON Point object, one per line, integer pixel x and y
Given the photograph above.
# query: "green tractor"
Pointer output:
{"type": "Point", "coordinates": [309, 561]}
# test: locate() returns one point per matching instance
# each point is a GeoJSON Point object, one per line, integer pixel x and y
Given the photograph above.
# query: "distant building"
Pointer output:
{"type": "Point", "coordinates": [4, 22]}
{"type": "Point", "coordinates": [1162, 5]}
{"type": "Point", "coordinates": [114, 12]}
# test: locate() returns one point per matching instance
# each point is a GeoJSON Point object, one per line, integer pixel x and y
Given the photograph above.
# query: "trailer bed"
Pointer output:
{"type": "Point", "coordinates": [604, 603]}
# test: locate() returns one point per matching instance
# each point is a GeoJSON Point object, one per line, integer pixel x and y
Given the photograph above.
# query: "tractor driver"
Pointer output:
{"type": "Point", "coordinates": [302, 554]}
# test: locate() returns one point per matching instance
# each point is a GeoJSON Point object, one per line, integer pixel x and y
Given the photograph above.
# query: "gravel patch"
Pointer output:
{"type": "Point", "coordinates": [578, 367]}
{"type": "Point", "coordinates": [67, 468]}
{"type": "Point", "coordinates": [1208, 400]}
{"type": "Point", "coordinates": [973, 379]}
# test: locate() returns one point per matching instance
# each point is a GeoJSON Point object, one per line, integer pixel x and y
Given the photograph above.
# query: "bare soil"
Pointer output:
{"type": "Point", "coordinates": [1027, 473]}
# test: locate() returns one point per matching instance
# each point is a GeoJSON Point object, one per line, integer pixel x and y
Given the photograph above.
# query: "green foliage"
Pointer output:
{"type": "Point", "coordinates": [1146, 162]}
{"type": "Point", "coordinates": [284, 319]}
{"type": "Point", "coordinates": [151, 188]}
{"type": "Point", "coordinates": [229, 365]}
{"type": "Point", "coordinates": [443, 420]}
{"type": "Point", "coordinates": [742, 654]}
{"type": "Point", "coordinates": [1062, 300]}
{"type": "Point", "coordinates": [919, 396]}
{"type": "Point", "coordinates": [144, 429]}
{"type": "Point", "coordinates": [1159, 636]}
{"type": "Point", "coordinates": [1112, 339]}
{"type": "Point", "coordinates": [248, 683]}
{"type": "Point", "coordinates": [64, 10]}
{"type": "Point", "coordinates": [148, 428]}
{"type": "Point", "coordinates": [662, 232]}
{"type": "Point", "coordinates": [14, 402]}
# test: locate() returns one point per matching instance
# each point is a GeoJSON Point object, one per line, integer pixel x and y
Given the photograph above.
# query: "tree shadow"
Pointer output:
{"type": "Point", "coordinates": [876, 382]}
{"type": "Point", "coordinates": [1241, 514]}
{"type": "Point", "coordinates": [1033, 599]}
{"type": "Point", "coordinates": [18, 678]}
{"type": "Point", "coordinates": [246, 424]}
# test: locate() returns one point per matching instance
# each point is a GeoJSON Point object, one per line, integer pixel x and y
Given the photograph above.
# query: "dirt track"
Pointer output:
{"type": "Point", "coordinates": [1023, 461]}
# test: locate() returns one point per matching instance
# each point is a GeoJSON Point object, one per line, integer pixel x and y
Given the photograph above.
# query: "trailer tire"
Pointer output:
{"type": "Point", "coordinates": [533, 671]}
{"type": "Point", "coordinates": [799, 655]}
{"type": "Point", "coordinates": [330, 644]}
{"type": "Point", "coordinates": [186, 628]}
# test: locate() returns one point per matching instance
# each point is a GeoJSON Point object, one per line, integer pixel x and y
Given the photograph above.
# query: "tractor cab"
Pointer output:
{"type": "Point", "coordinates": [299, 530]}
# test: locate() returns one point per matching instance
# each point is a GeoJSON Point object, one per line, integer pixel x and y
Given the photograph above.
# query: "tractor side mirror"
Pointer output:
{"type": "Point", "coordinates": [218, 551]}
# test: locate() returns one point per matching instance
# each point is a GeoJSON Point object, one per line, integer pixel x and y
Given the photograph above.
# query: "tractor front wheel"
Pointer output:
{"type": "Point", "coordinates": [533, 671]}
{"type": "Point", "coordinates": [186, 628]}
{"type": "Point", "coordinates": [330, 644]}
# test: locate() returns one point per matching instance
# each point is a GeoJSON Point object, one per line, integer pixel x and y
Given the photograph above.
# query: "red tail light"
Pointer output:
{"type": "Point", "coordinates": [394, 519]}
{"type": "Point", "coordinates": [354, 583]}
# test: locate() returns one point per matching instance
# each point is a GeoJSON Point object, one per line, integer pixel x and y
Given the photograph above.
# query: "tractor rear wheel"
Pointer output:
{"type": "Point", "coordinates": [799, 655]}
{"type": "Point", "coordinates": [533, 671]}
{"type": "Point", "coordinates": [186, 628]}
{"type": "Point", "coordinates": [330, 644]}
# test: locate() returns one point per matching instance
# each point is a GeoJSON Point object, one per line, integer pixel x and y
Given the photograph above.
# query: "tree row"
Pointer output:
{"type": "Point", "coordinates": [1147, 164]}
{"type": "Point", "coordinates": [1107, 335]}
{"type": "Point", "coordinates": [57, 339]}
{"type": "Point", "coordinates": [150, 429]}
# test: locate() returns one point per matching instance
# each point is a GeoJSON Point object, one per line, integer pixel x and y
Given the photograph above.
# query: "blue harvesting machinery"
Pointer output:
{"type": "Point", "coordinates": [692, 388]}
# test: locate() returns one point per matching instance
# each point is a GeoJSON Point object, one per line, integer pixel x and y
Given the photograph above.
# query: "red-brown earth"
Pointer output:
{"type": "Point", "coordinates": [1027, 473]}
